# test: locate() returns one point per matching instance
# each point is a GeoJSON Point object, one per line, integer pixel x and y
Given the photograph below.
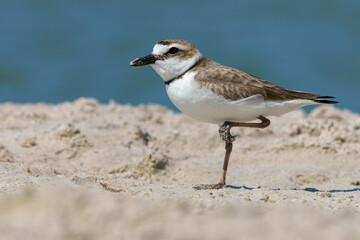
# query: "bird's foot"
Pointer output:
{"type": "Point", "coordinates": [209, 186]}
{"type": "Point", "coordinates": [225, 134]}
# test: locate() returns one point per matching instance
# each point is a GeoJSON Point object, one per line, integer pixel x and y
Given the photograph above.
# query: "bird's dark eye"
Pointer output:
{"type": "Point", "coordinates": [173, 50]}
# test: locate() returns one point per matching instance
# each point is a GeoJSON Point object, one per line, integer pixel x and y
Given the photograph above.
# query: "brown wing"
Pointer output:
{"type": "Point", "coordinates": [234, 84]}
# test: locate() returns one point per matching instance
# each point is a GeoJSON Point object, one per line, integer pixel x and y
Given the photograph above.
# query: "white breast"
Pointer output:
{"type": "Point", "coordinates": [203, 105]}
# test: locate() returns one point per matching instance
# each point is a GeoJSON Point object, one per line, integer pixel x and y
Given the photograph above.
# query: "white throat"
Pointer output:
{"type": "Point", "coordinates": [172, 67]}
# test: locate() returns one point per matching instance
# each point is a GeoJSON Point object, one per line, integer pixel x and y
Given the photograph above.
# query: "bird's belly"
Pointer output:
{"type": "Point", "coordinates": [202, 104]}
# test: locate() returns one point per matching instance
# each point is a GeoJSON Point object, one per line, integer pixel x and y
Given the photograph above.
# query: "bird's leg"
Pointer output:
{"type": "Point", "coordinates": [221, 184]}
{"type": "Point", "coordinates": [224, 132]}
{"type": "Point", "coordinates": [263, 124]}
{"type": "Point", "coordinates": [228, 149]}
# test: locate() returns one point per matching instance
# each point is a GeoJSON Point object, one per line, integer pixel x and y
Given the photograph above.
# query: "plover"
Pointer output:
{"type": "Point", "coordinates": [210, 92]}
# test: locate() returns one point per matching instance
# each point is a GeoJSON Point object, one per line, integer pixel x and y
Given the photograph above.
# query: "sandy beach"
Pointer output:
{"type": "Point", "coordinates": [84, 170]}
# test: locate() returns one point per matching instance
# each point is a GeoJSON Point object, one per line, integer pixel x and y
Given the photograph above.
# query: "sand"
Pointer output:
{"type": "Point", "coordinates": [84, 170]}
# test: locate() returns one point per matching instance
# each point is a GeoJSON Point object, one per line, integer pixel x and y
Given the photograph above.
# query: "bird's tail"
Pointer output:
{"type": "Point", "coordinates": [324, 100]}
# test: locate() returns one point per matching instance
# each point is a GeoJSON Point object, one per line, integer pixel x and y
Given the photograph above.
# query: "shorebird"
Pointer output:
{"type": "Point", "coordinates": [211, 92]}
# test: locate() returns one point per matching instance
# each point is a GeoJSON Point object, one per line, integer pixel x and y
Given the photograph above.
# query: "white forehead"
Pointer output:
{"type": "Point", "coordinates": [160, 49]}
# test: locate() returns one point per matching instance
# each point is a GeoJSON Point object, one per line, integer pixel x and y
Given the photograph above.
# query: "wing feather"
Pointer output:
{"type": "Point", "coordinates": [234, 84]}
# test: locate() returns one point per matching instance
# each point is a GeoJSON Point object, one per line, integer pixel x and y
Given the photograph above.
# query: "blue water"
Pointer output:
{"type": "Point", "coordinates": [55, 51]}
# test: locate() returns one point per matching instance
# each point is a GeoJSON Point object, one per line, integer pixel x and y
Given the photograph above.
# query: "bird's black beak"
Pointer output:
{"type": "Point", "coordinates": [149, 59]}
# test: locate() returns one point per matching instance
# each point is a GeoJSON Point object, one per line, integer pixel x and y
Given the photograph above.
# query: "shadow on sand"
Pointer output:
{"type": "Point", "coordinates": [298, 189]}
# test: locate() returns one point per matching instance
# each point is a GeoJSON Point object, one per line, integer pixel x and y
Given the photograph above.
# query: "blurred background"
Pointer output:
{"type": "Point", "coordinates": [55, 51]}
